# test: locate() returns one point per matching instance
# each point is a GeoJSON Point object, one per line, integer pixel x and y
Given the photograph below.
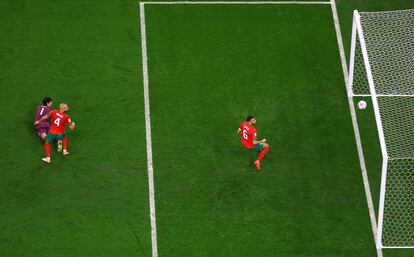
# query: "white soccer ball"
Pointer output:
{"type": "Point", "coordinates": [362, 105]}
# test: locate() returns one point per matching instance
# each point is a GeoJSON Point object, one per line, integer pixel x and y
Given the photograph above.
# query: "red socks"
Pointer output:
{"type": "Point", "coordinates": [263, 153]}
{"type": "Point", "coordinates": [65, 143]}
{"type": "Point", "coordinates": [47, 146]}
{"type": "Point", "coordinates": [47, 149]}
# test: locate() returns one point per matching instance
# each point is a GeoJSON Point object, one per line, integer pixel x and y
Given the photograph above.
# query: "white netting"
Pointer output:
{"type": "Point", "coordinates": [398, 226]}
{"type": "Point", "coordinates": [397, 118]}
{"type": "Point", "coordinates": [360, 81]}
{"type": "Point", "coordinates": [389, 38]}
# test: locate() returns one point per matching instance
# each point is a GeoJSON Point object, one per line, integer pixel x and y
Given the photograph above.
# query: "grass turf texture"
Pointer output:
{"type": "Point", "coordinates": [95, 202]}
{"type": "Point", "coordinates": [210, 66]}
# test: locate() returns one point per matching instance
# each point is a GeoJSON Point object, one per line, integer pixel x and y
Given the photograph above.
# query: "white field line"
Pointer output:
{"type": "Point", "coordinates": [239, 2]}
{"type": "Point", "coordinates": [396, 95]}
{"type": "Point", "coordinates": [398, 247]}
{"type": "Point", "coordinates": [148, 133]}
{"type": "Point", "coordinates": [355, 126]}
{"type": "Point", "coordinates": [382, 95]}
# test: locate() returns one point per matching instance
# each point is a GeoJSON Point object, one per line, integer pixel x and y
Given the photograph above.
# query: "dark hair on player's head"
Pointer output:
{"type": "Point", "coordinates": [249, 118]}
{"type": "Point", "coordinates": [46, 100]}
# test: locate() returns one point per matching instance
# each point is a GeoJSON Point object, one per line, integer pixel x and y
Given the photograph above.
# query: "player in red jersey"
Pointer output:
{"type": "Point", "coordinates": [248, 137]}
{"type": "Point", "coordinates": [57, 131]}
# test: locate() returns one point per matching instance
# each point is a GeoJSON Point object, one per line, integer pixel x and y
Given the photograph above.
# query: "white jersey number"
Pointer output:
{"type": "Point", "coordinates": [245, 135]}
{"type": "Point", "coordinates": [57, 122]}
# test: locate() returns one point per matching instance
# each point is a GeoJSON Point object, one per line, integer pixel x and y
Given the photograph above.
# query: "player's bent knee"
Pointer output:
{"type": "Point", "coordinates": [266, 145]}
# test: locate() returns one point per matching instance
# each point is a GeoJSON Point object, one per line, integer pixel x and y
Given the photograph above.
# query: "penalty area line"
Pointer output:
{"type": "Point", "coordinates": [239, 2]}
{"type": "Point", "coordinates": [355, 126]}
{"type": "Point", "coordinates": [148, 132]}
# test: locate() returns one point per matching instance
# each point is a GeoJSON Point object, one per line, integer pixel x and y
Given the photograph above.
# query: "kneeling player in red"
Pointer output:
{"type": "Point", "coordinates": [57, 131]}
{"type": "Point", "coordinates": [248, 137]}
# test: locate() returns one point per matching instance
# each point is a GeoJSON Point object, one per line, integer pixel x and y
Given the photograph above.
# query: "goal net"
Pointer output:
{"type": "Point", "coordinates": [382, 67]}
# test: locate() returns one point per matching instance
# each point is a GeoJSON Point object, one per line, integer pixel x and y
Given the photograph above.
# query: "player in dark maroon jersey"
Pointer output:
{"type": "Point", "coordinates": [43, 127]}
{"type": "Point", "coordinates": [248, 137]}
{"type": "Point", "coordinates": [59, 121]}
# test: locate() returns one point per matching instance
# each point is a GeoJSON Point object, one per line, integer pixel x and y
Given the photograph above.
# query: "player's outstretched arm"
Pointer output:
{"type": "Point", "coordinates": [72, 126]}
{"type": "Point", "coordinates": [239, 131]}
{"type": "Point", "coordinates": [41, 119]}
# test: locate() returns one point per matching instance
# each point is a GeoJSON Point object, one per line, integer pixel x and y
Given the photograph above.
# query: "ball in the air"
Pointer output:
{"type": "Point", "coordinates": [362, 105]}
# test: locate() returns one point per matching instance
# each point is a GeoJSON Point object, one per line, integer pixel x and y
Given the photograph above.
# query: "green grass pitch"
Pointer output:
{"type": "Point", "coordinates": [209, 67]}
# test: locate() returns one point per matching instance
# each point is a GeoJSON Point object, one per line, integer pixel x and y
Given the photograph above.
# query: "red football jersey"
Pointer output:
{"type": "Point", "coordinates": [247, 133]}
{"type": "Point", "coordinates": [59, 121]}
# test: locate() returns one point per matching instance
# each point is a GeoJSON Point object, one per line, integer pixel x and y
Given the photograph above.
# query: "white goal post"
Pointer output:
{"type": "Point", "coordinates": [382, 67]}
